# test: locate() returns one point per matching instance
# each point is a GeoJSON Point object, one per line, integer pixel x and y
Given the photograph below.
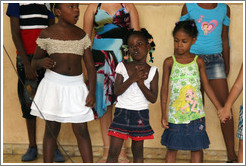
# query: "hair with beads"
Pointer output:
{"type": "Point", "coordinates": [146, 35]}
{"type": "Point", "coordinates": [188, 26]}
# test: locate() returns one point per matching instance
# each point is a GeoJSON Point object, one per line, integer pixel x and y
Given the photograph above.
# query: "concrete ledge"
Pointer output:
{"type": "Point", "coordinates": [149, 153]}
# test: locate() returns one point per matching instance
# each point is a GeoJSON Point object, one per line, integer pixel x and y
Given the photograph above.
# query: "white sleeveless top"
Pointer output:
{"type": "Point", "coordinates": [133, 98]}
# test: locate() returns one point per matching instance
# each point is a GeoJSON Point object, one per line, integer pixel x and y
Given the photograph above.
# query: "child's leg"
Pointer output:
{"type": "Point", "coordinates": [114, 149]}
{"type": "Point", "coordinates": [197, 156]}
{"type": "Point", "coordinates": [49, 142]}
{"type": "Point", "coordinates": [84, 142]}
{"type": "Point", "coordinates": [137, 151]}
{"type": "Point", "coordinates": [171, 156]}
{"type": "Point", "coordinates": [220, 88]}
{"type": "Point", "coordinates": [123, 157]}
{"type": "Point", "coordinates": [240, 151]}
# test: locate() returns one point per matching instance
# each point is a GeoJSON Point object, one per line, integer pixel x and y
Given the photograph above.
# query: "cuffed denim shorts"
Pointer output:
{"type": "Point", "coordinates": [131, 123]}
{"type": "Point", "coordinates": [240, 124]}
{"type": "Point", "coordinates": [215, 66]}
{"type": "Point", "coordinates": [191, 136]}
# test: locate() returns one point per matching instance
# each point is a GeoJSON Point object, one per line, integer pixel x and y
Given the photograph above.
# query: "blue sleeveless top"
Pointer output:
{"type": "Point", "coordinates": [209, 24]}
{"type": "Point", "coordinates": [107, 26]}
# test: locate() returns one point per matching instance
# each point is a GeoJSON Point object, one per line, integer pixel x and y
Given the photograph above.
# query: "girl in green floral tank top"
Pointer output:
{"type": "Point", "coordinates": [184, 123]}
{"type": "Point", "coordinates": [186, 99]}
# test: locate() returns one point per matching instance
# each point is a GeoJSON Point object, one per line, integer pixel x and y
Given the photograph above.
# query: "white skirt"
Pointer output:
{"type": "Point", "coordinates": [62, 98]}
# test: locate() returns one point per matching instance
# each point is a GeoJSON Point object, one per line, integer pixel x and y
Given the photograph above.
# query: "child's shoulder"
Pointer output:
{"type": "Point", "coordinates": [168, 61]}
{"type": "Point", "coordinates": [47, 32]}
{"type": "Point", "coordinates": [55, 29]}
{"type": "Point", "coordinates": [79, 31]}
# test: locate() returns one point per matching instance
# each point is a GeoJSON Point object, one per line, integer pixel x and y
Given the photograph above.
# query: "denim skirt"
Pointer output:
{"type": "Point", "coordinates": [215, 66]}
{"type": "Point", "coordinates": [240, 124]}
{"type": "Point", "coordinates": [191, 136]}
{"type": "Point", "coordinates": [131, 123]}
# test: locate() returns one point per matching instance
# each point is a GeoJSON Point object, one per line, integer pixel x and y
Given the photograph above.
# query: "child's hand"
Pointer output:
{"type": "Point", "coordinates": [139, 74]}
{"type": "Point", "coordinates": [224, 114]}
{"type": "Point", "coordinates": [47, 63]}
{"type": "Point", "coordinates": [90, 100]}
{"type": "Point", "coordinates": [164, 122]}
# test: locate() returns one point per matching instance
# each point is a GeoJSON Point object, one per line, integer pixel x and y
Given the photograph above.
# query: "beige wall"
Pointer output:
{"type": "Point", "coordinates": [159, 19]}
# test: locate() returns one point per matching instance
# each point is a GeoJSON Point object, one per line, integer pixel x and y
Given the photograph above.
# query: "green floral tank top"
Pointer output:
{"type": "Point", "coordinates": [186, 99]}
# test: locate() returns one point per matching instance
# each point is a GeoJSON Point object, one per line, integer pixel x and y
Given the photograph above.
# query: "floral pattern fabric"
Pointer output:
{"type": "Point", "coordinates": [106, 51]}
{"type": "Point", "coordinates": [185, 99]}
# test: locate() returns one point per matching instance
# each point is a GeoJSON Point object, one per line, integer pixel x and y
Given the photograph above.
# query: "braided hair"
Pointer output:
{"type": "Point", "coordinates": [145, 34]}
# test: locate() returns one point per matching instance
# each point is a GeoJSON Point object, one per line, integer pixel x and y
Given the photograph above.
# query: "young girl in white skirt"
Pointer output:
{"type": "Point", "coordinates": [62, 96]}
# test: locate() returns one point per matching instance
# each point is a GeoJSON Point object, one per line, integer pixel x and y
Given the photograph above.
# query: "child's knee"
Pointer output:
{"type": "Point", "coordinates": [52, 129]}
{"type": "Point", "coordinates": [80, 130]}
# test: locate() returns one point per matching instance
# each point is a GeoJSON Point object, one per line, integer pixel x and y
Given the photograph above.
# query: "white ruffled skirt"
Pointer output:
{"type": "Point", "coordinates": [62, 98]}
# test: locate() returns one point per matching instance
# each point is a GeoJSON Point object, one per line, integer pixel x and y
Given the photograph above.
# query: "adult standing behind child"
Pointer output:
{"type": "Point", "coordinates": [212, 21]}
{"type": "Point", "coordinates": [184, 122]}
{"type": "Point", "coordinates": [225, 112]}
{"type": "Point", "coordinates": [111, 21]}
{"type": "Point", "coordinates": [27, 21]}
{"type": "Point", "coordinates": [62, 96]}
{"type": "Point", "coordinates": [136, 85]}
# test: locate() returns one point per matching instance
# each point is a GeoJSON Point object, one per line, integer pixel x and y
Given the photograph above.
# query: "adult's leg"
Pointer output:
{"type": "Point", "coordinates": [52, 130]}
{"type": "Point", "coordinates": [197, 156]}
{"type": "Point", "coordinates": [220, 88]}
{"type": "Point", "coordinates": [240, 151]}
{"type": "Point", "coordinates": [32, 151]}
{"type": "Point", "coordinates": [31, 130]}
{"type": "Point", "coordinates": [84, 142]}
{"type": "Point", "coordinates": [114, 149]}
{"type": "Point", "coordinates": [137, 151]}
{"type": "Point", "coordinates": [105, 122]}
{"type": "Point", "coordinates": [171, 156]}
{"type": "Point", "coordinates": [25, 101]}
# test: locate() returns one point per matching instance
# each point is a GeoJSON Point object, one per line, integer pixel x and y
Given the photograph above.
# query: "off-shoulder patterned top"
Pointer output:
{"type": "Point", "coordinates": [53, 46]}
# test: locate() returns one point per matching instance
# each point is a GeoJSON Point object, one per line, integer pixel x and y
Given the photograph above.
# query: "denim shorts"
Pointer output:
{"type": "Point", "coordinates": [240, 124]}
{"type": "Point", "coordinates": [191, 136]}
{"type": "Point", "coordinates": [215, 66]}
{"type": "Point", "coordinates": [131, 123]}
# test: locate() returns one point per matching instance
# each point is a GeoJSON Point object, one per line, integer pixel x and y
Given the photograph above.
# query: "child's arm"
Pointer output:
{"type": "Point", "coordinates": [184, 10]}
{"type": "Point", "coordinates": [205, 83]}
{"type": "Point", "coordinates": [133, 16]}
{"type": "Point", "coordinates": [120, 87]}
{"type": "Point", "coordinates": [16, 36]}
{"type": "Point", "coordinates": [39, 59]}
{"type": "Point", "coordinates": [237, 88]}
{"type": "Point", "coordinates": [167, 66]}
{"type": "Point", "coordinates": [90, 67]}
{"type": "Point", "coordinates": [89, 18]}
{"type": "Point", "coordinates": [152, 93]}
{"type": "Point", "coordinates": [225, 44]}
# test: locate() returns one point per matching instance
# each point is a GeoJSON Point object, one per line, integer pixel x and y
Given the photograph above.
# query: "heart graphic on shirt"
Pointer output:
{"type": "Point", "coordinates": [209, 27]}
